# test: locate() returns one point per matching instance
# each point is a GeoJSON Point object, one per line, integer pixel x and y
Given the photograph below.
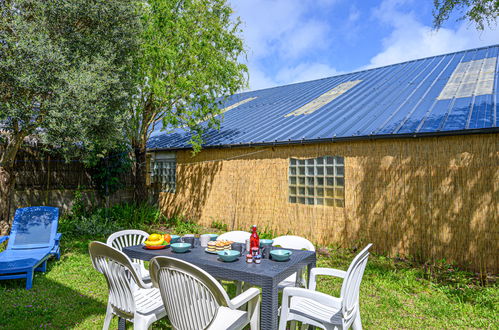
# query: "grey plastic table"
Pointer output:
{"type": "Point", "coordinates": [266, 275]}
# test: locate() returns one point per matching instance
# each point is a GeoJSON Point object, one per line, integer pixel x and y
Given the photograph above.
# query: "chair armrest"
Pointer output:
{"type": "Point", "coordinates": [140, 283]}
{"type": "Point", "coordinates": [3, 238]}
{"type": "Point", "coordinates": [243, 298]}
{"type": "Point", "coordinates": [319, 297]}
{"type": "Point", "coordinates": [58, 237]}
{"type": "Point", "coordinates": [323, 271]}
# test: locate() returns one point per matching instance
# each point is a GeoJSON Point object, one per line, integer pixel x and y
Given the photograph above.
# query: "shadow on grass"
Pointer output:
{"type": "Point", "coordinates": [412, 277]}
{"type": "Point", "coordinates": [69, 294]}
{"type": "Point", "coordinates": [48, 304]}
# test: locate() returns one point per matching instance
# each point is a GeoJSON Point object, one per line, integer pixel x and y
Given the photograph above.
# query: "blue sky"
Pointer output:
{"type": "Point", "coordinates": [298, 40]}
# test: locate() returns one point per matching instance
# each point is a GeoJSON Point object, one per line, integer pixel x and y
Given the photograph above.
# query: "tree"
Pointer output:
{"type": "Point", "coordinates": [65, 77]}
{"type": "Point", "coordinates": [189, 59]}
{"type": "Point", "coordinates": [480, 12]}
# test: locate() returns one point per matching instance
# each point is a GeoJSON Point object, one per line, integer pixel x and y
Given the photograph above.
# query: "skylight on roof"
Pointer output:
{"type": "Point", "coordinates": [235, 105]}
{"type": "Point", "coordinates": [324, 99]}
{"type": "Point", "coordinates": [470, 78]}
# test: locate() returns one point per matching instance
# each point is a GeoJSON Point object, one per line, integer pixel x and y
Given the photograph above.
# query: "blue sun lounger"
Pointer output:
{"type": "Point", "coordinates": [32, 241]}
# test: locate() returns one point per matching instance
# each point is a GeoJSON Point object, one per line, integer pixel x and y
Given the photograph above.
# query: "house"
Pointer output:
{"type": "Point", "coordinates": [405, 156]}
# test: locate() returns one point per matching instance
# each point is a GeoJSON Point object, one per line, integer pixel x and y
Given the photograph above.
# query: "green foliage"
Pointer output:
{"type": "Point", "coordinates": [65, 70]}
{"type": "Point", "coordinates": [267, 233]}
{"type": "Point", "coordinates": [107, 172]}
{"type": "Point", "coordinates": [219, 225]}
{"type": "Point", "coordinates": [480, 12]}
{"type": "Point", "coordinates": [180, 225]}
{"type": "Point", "coordinates": [105, 221]}
{"type": "Point", "coordinates": [189, 58]}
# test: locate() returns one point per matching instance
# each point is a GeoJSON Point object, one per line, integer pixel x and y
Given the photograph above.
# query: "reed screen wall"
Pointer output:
{"type": "Point", "coordinates": [430, 198]}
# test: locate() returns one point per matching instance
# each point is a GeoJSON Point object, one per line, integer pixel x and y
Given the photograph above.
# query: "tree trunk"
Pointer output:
{"type": "Point", "coordinates": [7, 180]}
{"type": "Point", "coordinates": [140, 191]}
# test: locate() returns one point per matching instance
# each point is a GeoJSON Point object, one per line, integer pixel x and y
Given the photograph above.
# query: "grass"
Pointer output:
{"type": "Point", "coordinates": [395, 293]}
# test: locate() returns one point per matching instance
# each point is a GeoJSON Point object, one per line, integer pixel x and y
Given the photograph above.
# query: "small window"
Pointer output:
{"type": "Point", "coordinates": [317, 181]}
{"type": "Point", "coordinates": [163, 171]}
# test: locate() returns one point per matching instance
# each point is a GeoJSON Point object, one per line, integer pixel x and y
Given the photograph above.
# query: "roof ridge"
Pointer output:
{"type": "Point", "coordinates": [365, 70]}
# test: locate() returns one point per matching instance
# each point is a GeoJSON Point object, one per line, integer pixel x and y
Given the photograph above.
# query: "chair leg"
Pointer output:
{"type": "Point", "coordinates": [140, 323]}
{"type": "Point", "coordinates": [239, 288]}
{"type": "Point", "coordinates": [29, 279]}
{"type": "Point", "coordinates": [357, 324]}
{"type": "Point", "coordinates": [254, 313]}
{"type": "Point", "coordinates": [109, 317]}
{"type": "Point", "coordinates": [42, 267]}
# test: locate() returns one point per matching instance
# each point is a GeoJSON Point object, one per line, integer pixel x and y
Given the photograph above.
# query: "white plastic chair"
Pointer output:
{"type": "Point", "coordinates": [129, 297]}
{"type": "Point", "coordinates": [297, 243]}
{"type": "Point", "coordinates": [195, 300]}
{"type": "Point", "coordinates": [124, 238]}
{"type": "Point", "coordinates": [236, 236]}
{"type": "Point", "coordinates": [324, 311]}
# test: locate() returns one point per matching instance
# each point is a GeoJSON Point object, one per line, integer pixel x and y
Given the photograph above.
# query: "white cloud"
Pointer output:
{"type": "Point", "coordinates": [259, 79]}
{"type": "Point", "coordinates": [305, 71]}
{"type": "Point", "coordinates": [312, 35]}
{"type": "Point", "coordinates": [280, 36]}
{"type": "Point", "coordinates": [410, 39]}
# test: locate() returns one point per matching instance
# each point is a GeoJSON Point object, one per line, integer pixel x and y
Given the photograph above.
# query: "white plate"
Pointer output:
{"type": "Point", "coordinates": [212, 252]}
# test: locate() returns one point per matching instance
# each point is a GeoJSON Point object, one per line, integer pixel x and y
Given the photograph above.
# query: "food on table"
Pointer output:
{"type": "Point", "coordinates": [212, 246]}
{"type": "Point", "coordinates": [167, 238]}
{"type": "Point", "coordinates": [223, 245]}
{"type": "Point", "coordinates": [154, 239]}
{"type": "Point", "coordinates": [220, 246]}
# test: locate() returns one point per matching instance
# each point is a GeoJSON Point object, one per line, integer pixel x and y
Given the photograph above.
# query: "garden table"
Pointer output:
{"type": "Point", "coordinates": [266, 275]}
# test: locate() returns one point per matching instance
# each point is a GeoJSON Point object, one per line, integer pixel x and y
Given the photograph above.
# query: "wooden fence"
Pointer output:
{"type": "Point", "coordinates": [44, 178]}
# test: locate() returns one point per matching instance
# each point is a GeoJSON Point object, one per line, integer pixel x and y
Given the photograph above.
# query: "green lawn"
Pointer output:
{"type": "Point", "coordinates": [394, 294]}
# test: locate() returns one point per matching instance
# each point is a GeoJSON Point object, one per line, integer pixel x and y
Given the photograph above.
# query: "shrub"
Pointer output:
{"type": "Point", "coordinates": [105, 221]}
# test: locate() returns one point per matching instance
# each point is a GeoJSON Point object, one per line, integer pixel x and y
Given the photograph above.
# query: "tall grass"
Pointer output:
{"type": "Point", "coordinates": [105, 221]}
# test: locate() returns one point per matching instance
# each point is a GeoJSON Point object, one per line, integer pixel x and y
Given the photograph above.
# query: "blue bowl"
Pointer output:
{"type": "Point", "coordinates": [280, 255]}
{"type": "Point", "coordinates": [266, 242]}
{"type": "Point", "coordinates": [175, 238]}
{"type": "Point", "coordinates": [180, 247]}
{"type": "Point", "coordinates": [213, 237]}
{"type": "Point", "coordinates": [229, 255]}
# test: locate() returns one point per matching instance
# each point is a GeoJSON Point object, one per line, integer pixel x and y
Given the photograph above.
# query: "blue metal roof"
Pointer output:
{"type": "Point", "coordinates": [392, 101]}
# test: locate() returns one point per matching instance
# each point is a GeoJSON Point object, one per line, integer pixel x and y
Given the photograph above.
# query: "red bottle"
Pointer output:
{"type": "Point", "coordinates": [254, 239]}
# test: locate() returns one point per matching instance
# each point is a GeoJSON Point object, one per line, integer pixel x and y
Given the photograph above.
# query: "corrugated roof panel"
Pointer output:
{"type": "Point", "coordinates": [443, 93]}
{"type": "Point", "coordinates": [324, 99]}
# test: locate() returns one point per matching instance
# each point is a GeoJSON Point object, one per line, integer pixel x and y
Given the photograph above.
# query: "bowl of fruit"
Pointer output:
{"type": "Point", "coordinates": [157, 241]}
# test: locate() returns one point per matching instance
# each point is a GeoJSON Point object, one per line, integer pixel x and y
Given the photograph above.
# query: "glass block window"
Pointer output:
{"type": "Point", "coordinates": [163, 171]}
{"type": "Point", "coordinates": [317, 181]}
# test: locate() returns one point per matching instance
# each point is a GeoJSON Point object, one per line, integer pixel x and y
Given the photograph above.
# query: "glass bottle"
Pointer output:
{"type": "Point", "coordinates": [254, 239]}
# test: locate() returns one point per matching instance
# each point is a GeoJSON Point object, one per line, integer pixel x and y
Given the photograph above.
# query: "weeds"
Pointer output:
{"type": "Point", "coordinates": [219, 225]}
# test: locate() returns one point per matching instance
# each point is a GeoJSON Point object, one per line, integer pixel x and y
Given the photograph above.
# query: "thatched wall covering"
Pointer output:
{"type": "Point", "coordinates": [430, 198]}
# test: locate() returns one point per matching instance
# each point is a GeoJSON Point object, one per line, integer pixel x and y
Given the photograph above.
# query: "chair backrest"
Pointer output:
{"type": "Point", "coordinates": [33, 228]}
{"type": "Point", "coordinates": [351, 284]}
{"type": "Point", "coordinates": [119, 272]}
{"type": "Point", "coordinates": [191, 296]}
{"type": "Point", "coordinates": [124, 238]}
{"type": "Point", "coordinates": [294, 242]}
{"type": "Point", "coordinates": [236, 236]}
